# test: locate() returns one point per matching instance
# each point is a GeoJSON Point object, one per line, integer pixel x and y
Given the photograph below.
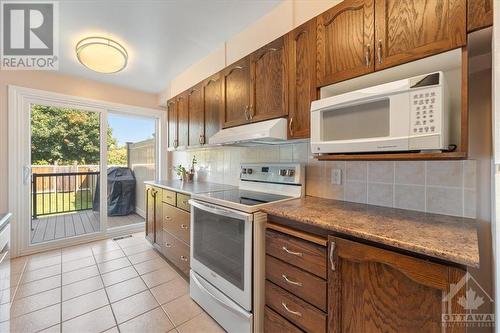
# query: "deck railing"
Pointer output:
{"type": "Point", "coordinates": [55, 193]}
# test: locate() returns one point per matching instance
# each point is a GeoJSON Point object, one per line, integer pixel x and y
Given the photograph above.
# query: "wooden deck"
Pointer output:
{"type": "Point", "coordinates": [74, 224]}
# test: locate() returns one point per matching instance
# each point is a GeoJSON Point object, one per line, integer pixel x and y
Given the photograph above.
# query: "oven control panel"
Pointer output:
{"type": "Point", "coordinates": [283, 173]}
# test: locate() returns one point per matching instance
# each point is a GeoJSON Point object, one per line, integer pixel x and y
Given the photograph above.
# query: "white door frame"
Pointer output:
{"type": "Point", "coordinates": [19, 154]}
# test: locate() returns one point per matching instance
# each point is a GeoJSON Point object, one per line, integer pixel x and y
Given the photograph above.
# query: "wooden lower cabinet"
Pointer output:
{"type": "Point", "coordinates": [376, 290]}
{"type": "Point", "coordinates": [153, 200]}
{"type": "Point", "coordinates": [367, 289]}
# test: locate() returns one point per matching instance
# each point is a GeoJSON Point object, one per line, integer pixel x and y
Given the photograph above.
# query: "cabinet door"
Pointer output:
{"type": "Point", "coordinates": [479, 14]}
{"type": "Point", "coordinates": [182, 120]}
{"type": "Point", "coordinates": [236, 93]}
{"type": "Point", "coordinates": [212, 105]}
{"type": "Point", "coordinates": [375, 290]}
{"type": "Point", "coordinates": [344, 42]}
{"type": "Point", "coordinates": [158, 231]}
{"type": "Point", "coordinates": [196, 115]}
{"type": "Point", "coordinates": [172, 123]}
{"type": "Point", "coordinates": [150, 213]}
{"type": "Point", "coordinates": [302, 79]}
{"type": "Point", "coordinates": [413, 29]}
{"type": "Point", "coordinates": [269, 75]}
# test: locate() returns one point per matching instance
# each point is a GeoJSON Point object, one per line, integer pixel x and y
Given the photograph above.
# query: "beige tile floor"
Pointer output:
{"type": "Point", "coordinates": [104, 286]}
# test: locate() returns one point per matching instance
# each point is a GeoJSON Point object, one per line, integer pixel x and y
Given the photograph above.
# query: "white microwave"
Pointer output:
{"type": "Point", "coordinates": [405, 115]}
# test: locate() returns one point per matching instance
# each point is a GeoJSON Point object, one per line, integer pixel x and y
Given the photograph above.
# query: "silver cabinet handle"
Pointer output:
{"type": "Point", "coordinates": [247, 115]}
{"type": "Point", "coordinates": [367, 55]}
{"type": "Point", "coordinates": [251, 112]}
{"type": "Point", "coordinates": [332, 249]}
{"type": "Point", "coordinates": [299, 254]}
{"type": "Point", "coordinates": [183, 226]}
{"type": "Point", "coordinates": [379, 51]}
{"type": "Point", "coordinates": [297, 313]}
{"type": "Point", "coordinates": [290, 126]}
{"type": "Point", "coordinates": [295, 283]}
{"type": "Point", "coordinates": [184, 258]}
{"type": "Point", "coordinates": [168, 245]}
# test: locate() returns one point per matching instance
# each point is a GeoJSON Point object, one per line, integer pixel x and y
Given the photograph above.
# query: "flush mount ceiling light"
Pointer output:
{"type": "Point", "coordinates": [101, 54]}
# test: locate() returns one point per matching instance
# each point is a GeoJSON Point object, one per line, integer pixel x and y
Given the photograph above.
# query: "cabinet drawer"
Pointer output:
{"type": "Point", "coordinates": [303, 254]}
{"type": "Point", "coordinates": [176, 251]}
{"type": "Point", "coordinates": [182, 201]}
{"type": "Point", "coordinates": [274, 323]}
{"type": "Point", "coordinates": [294, 309]}
{"type": "Point", "coordinates": [177, 222]}
{"type": "Point", "coordinates": [307, 286]}
{"type": "Point", "coordinates": [168, 197]}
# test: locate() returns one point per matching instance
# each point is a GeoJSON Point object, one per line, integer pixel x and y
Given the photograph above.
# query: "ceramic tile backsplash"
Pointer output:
{"type": "Point", "coordinates": [444, 187]}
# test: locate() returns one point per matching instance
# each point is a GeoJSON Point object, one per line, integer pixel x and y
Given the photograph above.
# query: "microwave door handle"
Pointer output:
{"type": "Point", "coordinates": [219, 211]}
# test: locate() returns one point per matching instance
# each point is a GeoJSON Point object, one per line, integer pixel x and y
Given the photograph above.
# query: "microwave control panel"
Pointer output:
{"type": "Point", "coordinates": [425, 111]}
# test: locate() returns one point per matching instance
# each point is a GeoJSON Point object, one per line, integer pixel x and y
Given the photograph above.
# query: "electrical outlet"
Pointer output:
{"type": "Point", "coordinates": [336, 176]}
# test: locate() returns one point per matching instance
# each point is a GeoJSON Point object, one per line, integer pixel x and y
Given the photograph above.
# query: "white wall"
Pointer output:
{"type": "Point", "coordinates": [282, 19]}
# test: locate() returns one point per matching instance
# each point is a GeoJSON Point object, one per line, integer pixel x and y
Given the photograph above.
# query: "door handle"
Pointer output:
{"type": "Point", "coordinates": [295, 283]}
{"type": "Point", "coordinates": [379, 51]}
{"type": "Point", "coordinates": [367, 55]}
{"type": "Point", "coordinates": [297, 313]}
{"type": "Point", "coordinates": [299, 254]}
{"type": "Point", "coordinates": [26, 174]}
{"type": "Point", "coordinates": [332, 250]}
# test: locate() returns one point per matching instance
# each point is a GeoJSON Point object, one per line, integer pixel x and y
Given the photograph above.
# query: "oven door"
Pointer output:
{"type": "Point", "coordinates": [221, 249]}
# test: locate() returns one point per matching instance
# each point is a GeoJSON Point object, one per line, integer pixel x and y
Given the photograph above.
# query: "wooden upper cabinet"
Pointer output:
{"type": "Point", "coordinates": [413, 29]}
{"type": "Point", "coordinates": [375, 290]}
{"type": "Point", "coordinates": [172, 123]}
{"type": "Point", "coordinates": [236, 93]}
{"type": "Point", "coordinates": [344, 42]}
{"type": "Point", "coordinates": [196, 115]}
{"type": "Point", "coordinates": [182, 120]}
{"type": "Point", "coordinates": [479, 14]}
{"type": "Point", "coordinates": [269, 98]}
{"type": "Point", "coordinates": [301, 44]}
{"type": "Point", "coordinates": [212, 103]}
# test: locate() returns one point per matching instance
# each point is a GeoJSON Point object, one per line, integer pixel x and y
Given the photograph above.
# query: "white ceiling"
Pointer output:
{"type": "Point", "coordinates": [162, 37]}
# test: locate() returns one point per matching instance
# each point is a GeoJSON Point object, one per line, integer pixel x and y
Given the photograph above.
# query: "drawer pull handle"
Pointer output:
{"type": "Point", "coordinates": [184, 226]}
{"type": "Point", "coordinates": [297, 313]}
{"type": "Point", "coordinates": [184, 258]}
{"type": "Point", "coordinates": [290, 281]}
{"type": "Point", "coordinates": [168, 245]}
{"type": "Point", "coordinates": [300, 254]}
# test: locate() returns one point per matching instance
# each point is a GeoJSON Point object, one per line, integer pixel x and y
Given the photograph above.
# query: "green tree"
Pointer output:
{"type": "Point", "coordinates": [65, 136]}
{"type": "Point", "coordinates": [117, 156]}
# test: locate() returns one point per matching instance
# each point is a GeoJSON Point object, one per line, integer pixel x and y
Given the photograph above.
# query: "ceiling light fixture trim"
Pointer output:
{"type": "Point", "coordinates": [87, 44]}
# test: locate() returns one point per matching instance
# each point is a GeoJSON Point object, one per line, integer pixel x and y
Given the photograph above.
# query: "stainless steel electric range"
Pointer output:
{"type": "Point", "coordinates": [228, 240]}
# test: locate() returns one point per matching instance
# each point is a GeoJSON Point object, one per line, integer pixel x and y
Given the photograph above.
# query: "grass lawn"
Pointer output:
{"type": "Point", "coordinates": [53, 203]}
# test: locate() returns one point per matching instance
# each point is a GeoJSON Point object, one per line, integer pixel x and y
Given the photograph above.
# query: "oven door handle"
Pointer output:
{"type": "Point", "coordinates": [221, 211]}
{"type": "Point", "coordinates": [218, 300]}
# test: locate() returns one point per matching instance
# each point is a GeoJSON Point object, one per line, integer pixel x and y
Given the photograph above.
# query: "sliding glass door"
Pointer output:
{"type": "Point", "coordinates": [65, 167]}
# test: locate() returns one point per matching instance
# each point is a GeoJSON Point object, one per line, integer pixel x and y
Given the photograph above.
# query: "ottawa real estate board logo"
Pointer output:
{"type": "Point", "coordinates": [29, 35]}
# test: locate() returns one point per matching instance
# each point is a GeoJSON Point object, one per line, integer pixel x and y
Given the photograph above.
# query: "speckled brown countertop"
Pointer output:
{"type": "Point", "coordinates": [448, 238]}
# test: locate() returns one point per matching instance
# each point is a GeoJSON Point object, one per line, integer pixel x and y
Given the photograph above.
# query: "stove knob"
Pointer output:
{"type": "Point", "coordinates": [243, 171]}
{"type": "Point", "coordinates": [249, 171]}
{"type": "Point", "coordinates": [282, 172]}
{"type": "Point", "coordinates": [290, 172]}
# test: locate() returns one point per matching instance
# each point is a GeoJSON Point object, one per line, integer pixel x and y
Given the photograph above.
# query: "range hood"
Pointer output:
{"type": "Point", "coordinates": [265, 132]}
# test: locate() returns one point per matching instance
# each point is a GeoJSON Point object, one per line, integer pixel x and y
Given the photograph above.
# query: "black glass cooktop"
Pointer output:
{"type": "Point", "coordinates": [249, 198]}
